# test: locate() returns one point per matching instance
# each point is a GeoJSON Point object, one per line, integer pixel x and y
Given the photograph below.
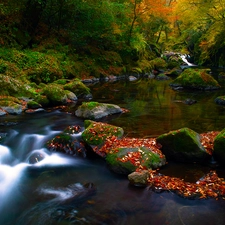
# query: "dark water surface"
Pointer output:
{"type": "Point", "coordinates": [52, 192]}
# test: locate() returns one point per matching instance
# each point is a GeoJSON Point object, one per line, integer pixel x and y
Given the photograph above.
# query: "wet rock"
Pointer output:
{"type": "Point", "coordinates": [2, 112]}
{"type": "Point", "coordinates": [65, 143]}
{"type": "Point", "coordinates": [139, 178]}
{"type": "Point", "coordinates": [70, 95]}
{"type": "Point", "coordinates": [31, 111]}
{"type": "Point", "coordinates": [183, 145]}
{"type": "Point", "coordinates": [220, 100]}
{"type": "Point", "coordinates": [162, 76]}
{"type": "Point", "coordinates": [36, 157]}
{"type": "Point", "coordinates": [95, 110]}
{"type": "Point", "coordinates": [132, 78]}
{"type": "Point", "coordinates": [2, 136]}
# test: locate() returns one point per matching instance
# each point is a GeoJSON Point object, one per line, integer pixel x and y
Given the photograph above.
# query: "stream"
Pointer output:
{"type": "Point", "coordinates": [61, 189]}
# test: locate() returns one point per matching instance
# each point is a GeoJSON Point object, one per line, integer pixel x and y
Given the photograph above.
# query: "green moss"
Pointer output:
{"type": "Point", "coordinates": [77, 87]}
{"type": "Point", "coordinates": [196, 78]}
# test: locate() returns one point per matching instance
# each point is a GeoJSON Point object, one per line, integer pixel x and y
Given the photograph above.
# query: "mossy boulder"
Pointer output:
{"type": "Point", "coordinates": [70, 95]}
{"type": "Point", "coordinates": [96, 110]}
{"type": "Point", "coordinates": [55, 94]}
{"type": "Point", "coordinates": [11, 105]}
{"type": "Point", "coordinates": [33, 105]}
{"type": "Point", "coordinates": [183, 145]}
{"type": "Point", "coordinates": [66, 143]}
{"type": "Point", "coordinates": [95, 133]}
{"type": "Point", "coordinates": [219, 147]}
{"type": "Point", "coordinates": [195, 79]}
{"type": "Point", "coordinates": [127, 160]}
{"type": "Point", "coordinates": [78, 88]}
{"type": "Point", "coordinates": [42, 100]}
{"type": "Point", "coordinates": [15, 87]}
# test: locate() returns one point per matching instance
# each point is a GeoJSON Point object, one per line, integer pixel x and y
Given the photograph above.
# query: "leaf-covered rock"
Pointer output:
{"type": "Point", "coordinates": [65, 143]}
{"type": "Point", "coordinates": [195, 79]}
{"type": "Point", "coordinates": [183, 145]}
{"type": "Point", "coordinates": [96, 132]}
{"type": "Point", "coordinates": [125, 160]}
{"type": "Point", "coordinates": [96, 110]}
{"type": "Point", "coordinates": [219, 147]}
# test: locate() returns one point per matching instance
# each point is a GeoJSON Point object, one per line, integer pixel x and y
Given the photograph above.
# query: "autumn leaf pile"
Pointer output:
{"type": "Point", "coordinates": [210, 186]}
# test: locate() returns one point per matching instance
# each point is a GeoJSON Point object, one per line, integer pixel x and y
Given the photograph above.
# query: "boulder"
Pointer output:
{"type": "Point", "coordinates": [219, 147]}
{"type": "Point", "coordinates": [14, 87]}
{"type": "Point", "coordinates": [139, 178]}
{"type": "Point", "coordinates": [95, 110]}
{"type": "Point", "coordinates": [33, 105]}
{"type": "Point", "coordinates": [183, 145]}
{"type": "Point", "coordinates": [96, 133]}
{"type": "Point", "coordinates": [11, 105]}
{"type": "Point", "coordinates": [55, 94]}
{"type": "Point", "coordinates": [195, 79]}
{"type": "Point", "coordinates": [65, 143]}
{"type": "Point", "coordinates": [220, 100]}
{"type": "Point", "coordinates": [78, 88]}
{"type": "Point", "coordinates": [125, 160]}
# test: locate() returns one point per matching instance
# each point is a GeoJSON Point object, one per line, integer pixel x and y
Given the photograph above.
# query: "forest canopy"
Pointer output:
{"type": "Point", "coordinates": [133, 29]}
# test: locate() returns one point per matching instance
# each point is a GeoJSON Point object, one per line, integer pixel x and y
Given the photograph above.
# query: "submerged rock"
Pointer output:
{"type": "Point", "coordinates": [183, 145]}
{"type": "Point", "coordinates": [96, 110]}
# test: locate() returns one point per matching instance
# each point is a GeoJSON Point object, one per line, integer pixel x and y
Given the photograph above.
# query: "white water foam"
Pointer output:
{"type": "Point", "coordinates": [5, 154]}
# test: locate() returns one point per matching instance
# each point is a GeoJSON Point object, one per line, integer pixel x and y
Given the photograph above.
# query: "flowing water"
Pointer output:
{"type": "Point", "coordinates": [67, 190]}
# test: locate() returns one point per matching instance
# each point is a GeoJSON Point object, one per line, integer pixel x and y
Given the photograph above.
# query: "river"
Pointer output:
{"type": "Point", "coordinates": [53, 191]}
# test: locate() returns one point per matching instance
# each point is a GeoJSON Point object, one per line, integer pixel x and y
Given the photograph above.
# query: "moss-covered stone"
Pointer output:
{"type": "Point", "coordinates": [195, 79]}
{"type": "Point", "coordinates": [42, 100]}
{"type": "Point", "coordinates": [55, 94]}
{"type": "Point", "coordinates": [33, 105]}
{"type": "Point", "coordinates": [77, 87]}
{"type": "Point", "coordinates": [219, 147]}
{"type": "Point", "coordinates": [14, 87]}
{"type": "Point", "coordinates": [97, 132]}
{"type": "Point", "coordinates": [11, 105]}
{"type": "Point", "coordinates": [65, 143]}
{"type": "Point", "coordinates": [127, 160]}
{"type": "Point", "coordinates": [183, 145]}
{"type": "Point", "coordinates": [95, 110]}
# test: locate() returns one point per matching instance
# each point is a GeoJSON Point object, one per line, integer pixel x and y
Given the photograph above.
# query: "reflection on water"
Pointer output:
{"type": "Point", "coordinates": [37, 187]}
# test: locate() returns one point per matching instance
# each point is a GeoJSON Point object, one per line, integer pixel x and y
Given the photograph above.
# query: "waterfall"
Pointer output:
{"type": "Point", "coordinates": [184, 58]}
